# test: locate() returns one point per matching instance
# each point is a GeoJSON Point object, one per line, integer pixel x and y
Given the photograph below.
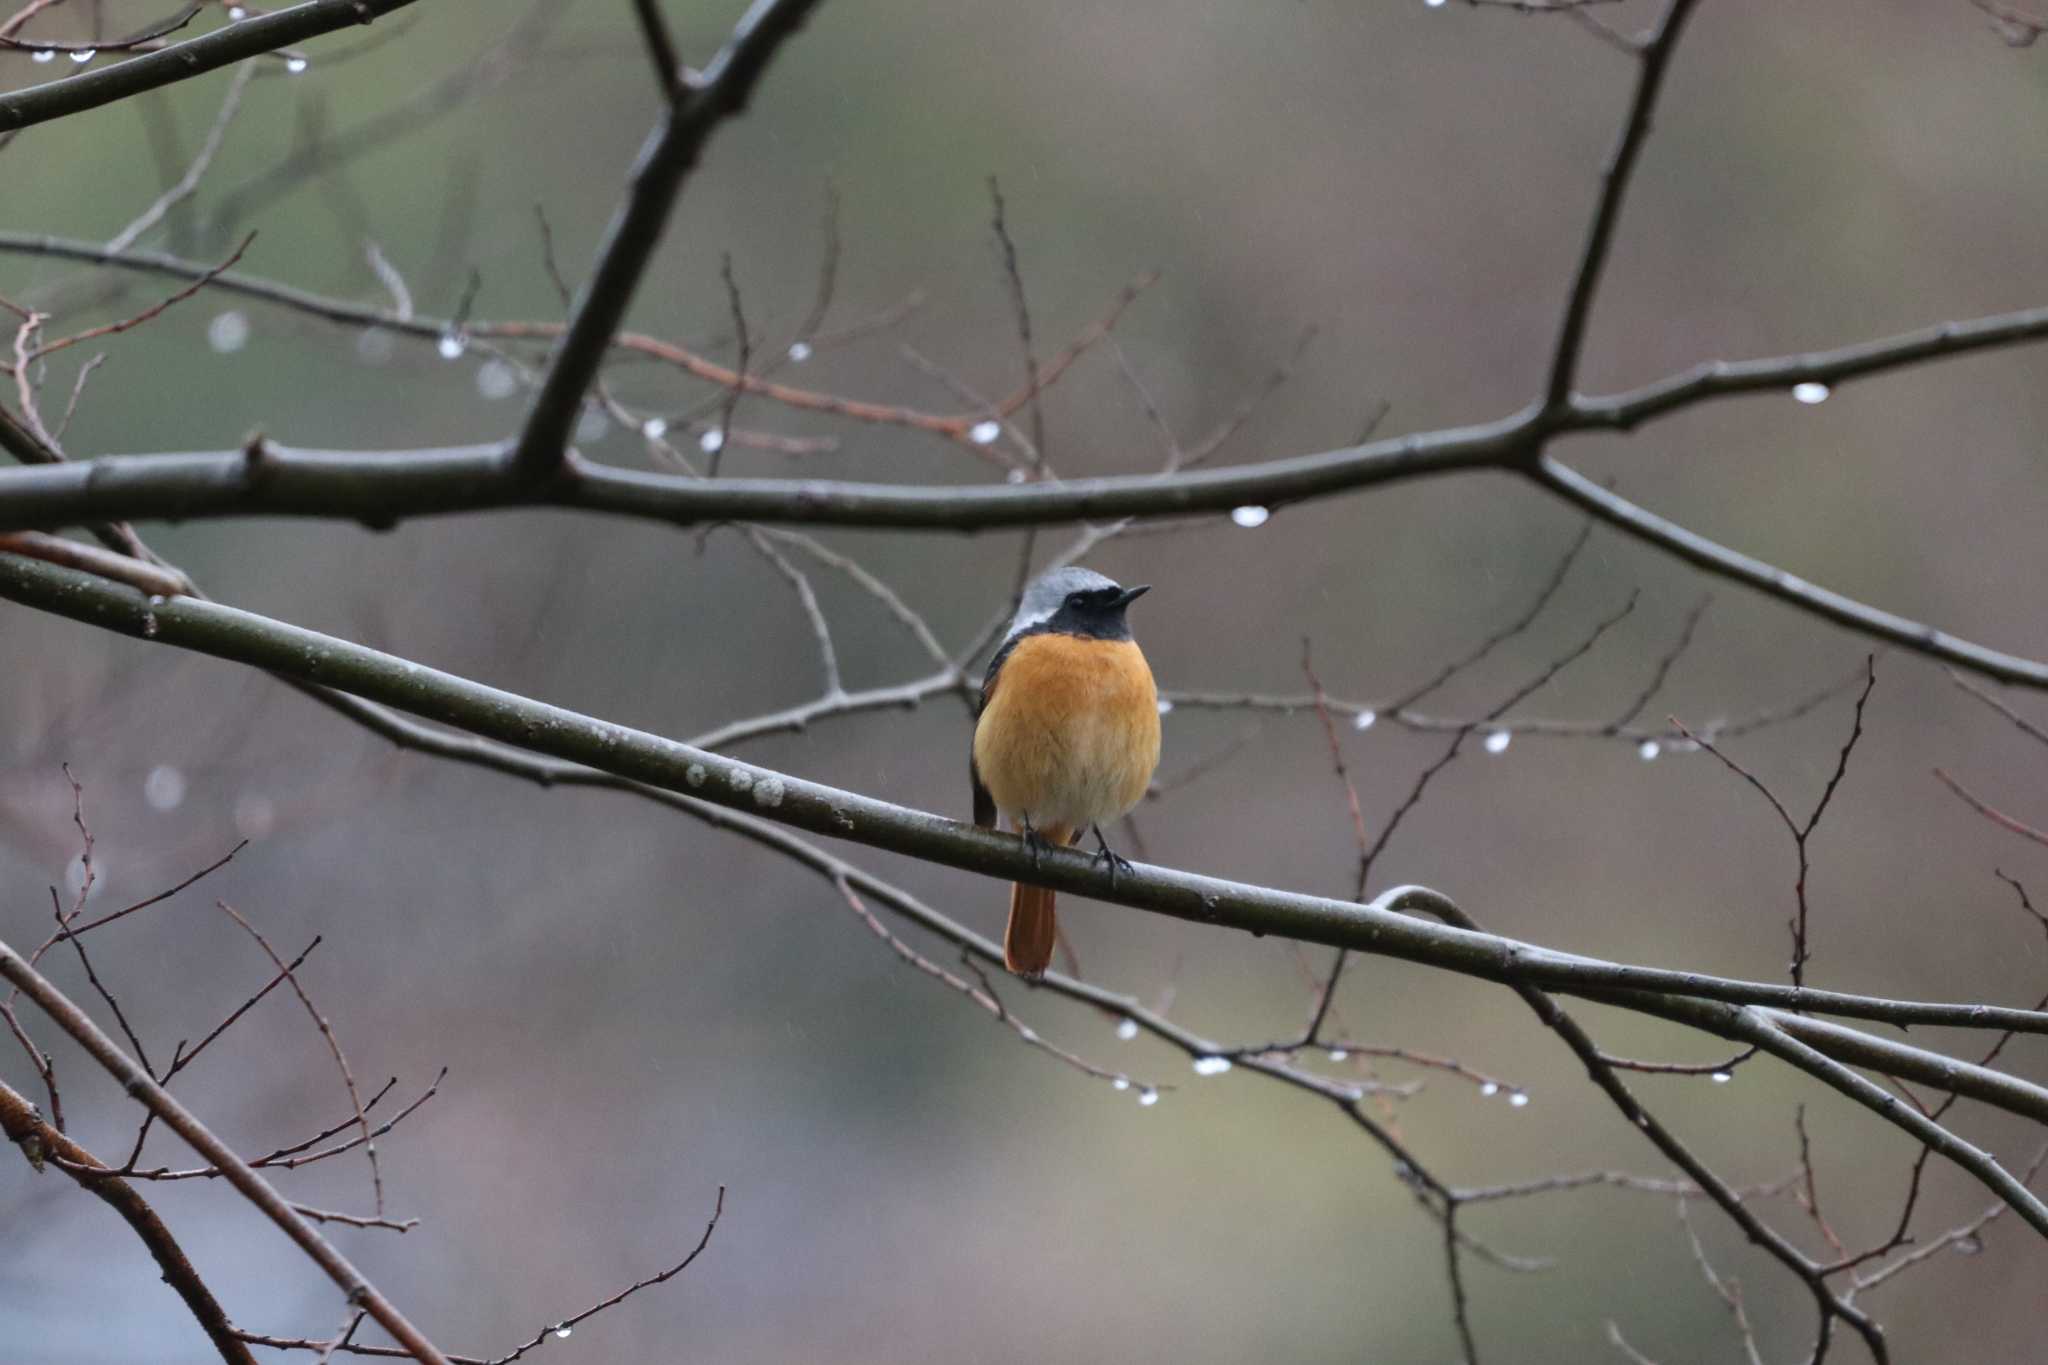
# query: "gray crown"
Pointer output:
{"type": "Point", "coordinates": [1049, 591]}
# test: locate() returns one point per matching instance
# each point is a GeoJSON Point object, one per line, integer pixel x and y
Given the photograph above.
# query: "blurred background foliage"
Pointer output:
{"type": "Point", "coordinates": [636, 1010]}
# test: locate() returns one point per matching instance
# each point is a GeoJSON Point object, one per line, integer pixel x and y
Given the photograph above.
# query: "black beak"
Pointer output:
{"type": "Point", "coordinates": [1130, 595]}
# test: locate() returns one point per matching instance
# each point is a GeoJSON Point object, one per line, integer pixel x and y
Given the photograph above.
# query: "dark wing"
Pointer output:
{"type": "Point", "coordinates": [985, 804]}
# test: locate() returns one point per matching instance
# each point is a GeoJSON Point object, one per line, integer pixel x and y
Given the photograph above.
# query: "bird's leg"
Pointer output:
{"type": "Point", "coordinates": [1033, 840]}
{"type": "Point", "coordinates": [1117, 862]}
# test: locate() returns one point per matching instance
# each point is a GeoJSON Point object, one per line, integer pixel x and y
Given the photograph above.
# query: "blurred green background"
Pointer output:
{"type": "Point", "coordinates": [636, 1010]}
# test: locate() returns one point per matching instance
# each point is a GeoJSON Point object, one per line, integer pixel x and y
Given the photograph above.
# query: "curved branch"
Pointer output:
{"type": "Point", "coordinates": [1718, 559]}
{"type": "Point", "coordinates": [1379, 928]}
{"type": "Point", "coordinates": [251, 37]}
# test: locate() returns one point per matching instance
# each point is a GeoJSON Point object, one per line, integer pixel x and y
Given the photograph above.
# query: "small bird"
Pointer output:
{"type": "Point", "coordinates": [1066, 736]}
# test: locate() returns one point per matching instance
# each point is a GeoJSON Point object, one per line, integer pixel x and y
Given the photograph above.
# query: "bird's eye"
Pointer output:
{"type": "Point", "coordinates": [1077, 599]}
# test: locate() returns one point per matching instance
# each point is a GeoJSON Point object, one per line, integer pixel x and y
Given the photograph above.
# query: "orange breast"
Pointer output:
{"type": "Point", "coordinates": [1070, 736]}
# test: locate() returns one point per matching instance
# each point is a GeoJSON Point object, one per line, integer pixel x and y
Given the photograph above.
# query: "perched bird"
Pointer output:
{"type": "Point", "coordinates": [1066, 737]}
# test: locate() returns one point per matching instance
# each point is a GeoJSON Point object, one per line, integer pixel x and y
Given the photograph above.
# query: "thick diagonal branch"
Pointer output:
{"type": "Point", "coordinates": [488, 713]}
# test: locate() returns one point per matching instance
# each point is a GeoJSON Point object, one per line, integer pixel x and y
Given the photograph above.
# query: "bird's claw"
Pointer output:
{"type": "Point", "coordinates": [1116, 861]}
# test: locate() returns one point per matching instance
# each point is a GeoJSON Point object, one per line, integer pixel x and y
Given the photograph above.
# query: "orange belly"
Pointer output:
{"type": "Point", "coordinates": [1070, 736]}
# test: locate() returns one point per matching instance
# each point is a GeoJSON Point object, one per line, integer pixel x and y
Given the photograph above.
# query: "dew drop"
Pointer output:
{"type": "Point", "coordinates": [1498, 741]}
{"type": "Point", "coordinates": [1148, 1097]}
{"type": "Point", "coordinates": [1338, 1054]}
{"type": "Point", "coordinates": [984, 433]}
{"type": "Point", "coordinates": [228, 332]}
{"type": "Point", "coordinates": [1811, 392]}
{"type": "Point", "coordinates": [654, 428]}
{"type": "Point", "coordinates": [1120, 1083]}
{"type": "Point", "coordinates": [562, 1332]}
{"type": "Point", "coordinates": [237, 14]}
{"type": "Point", "coordinates": [496, 379]}
{"type": "Point", "coordinates": [1490, 1089]}
{"type": "Point", "coordinates": [1365, 720]}
{"type": "Point", "coordinates": [1968, 1246]}
{"type": "Point", "coordinates": [1520, 1099]}
{"type": "Point", "coordinates": [1434, 4]}
{"type": "Point", "coordinates": [1250, 515]}
{"type": "Point", "coordinates": [1165, 707]}
{"type": "Point", "coordinates": [452, 345]}
{"type": "Point", "coordinates": [1015, 476]}
{"type": "Point", "coordinates": [1127, 1030]}
{"type": "Point", "coordinates": [83, 55]}
{"type": "Point", "coordinates": [1211, 1066]}
{"type": "Point", "coordinates": [1722, 1077]}
{"type": "Point", "coordinates": [799, 351]}
{"type": "Point", "coordinates": [711, 442]}
{"type": "Point", "coordinates": [295, 65]}
{"type": "Point", "coordinates": [164, 788]}
{"type": "Point", "coordinates": [1648, 750]}
{"type": "Point", "coordinates": [42, 55]}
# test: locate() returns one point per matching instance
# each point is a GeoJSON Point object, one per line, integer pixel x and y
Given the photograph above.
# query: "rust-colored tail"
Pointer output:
{"type": "Point", "coordinates": [1029, 937]}
{"type": "Point", "coordinates": [1031, 934]}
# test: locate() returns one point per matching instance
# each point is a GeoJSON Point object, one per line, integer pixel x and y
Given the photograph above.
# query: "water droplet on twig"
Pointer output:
{"type": "Point", "coordinates": [1365, 720]}
{"type": "Point", "coordinates": [799, 351]}
{"type": "Point", "coordinates": [451, 345]}
{"type": "Point", "coordinates": [1211, 1066]}
{"type": "Point", "coordinates": [42, 54]}
{"type": "Point", "coordinates": [297, 66]}
{"type": "Point", "coordinates": [1520, 1099]}
{"type": "Point", "coordinates": [1811, 392]}
{"type": "Point", "coordinates": [1648, 750]}
{"type": "Point", "coordinates": [984, 433]}
{"type": "Point", "coordinates": [712, 441]}
{"type": "Point", "coordinates": [1148, 1097]}
{"type": "Point", "coordinates": [1498, 741]}
{"type": "Point", "coordinates": [1127, 1030]}
{"type": "Point", "coordinates": [1250, 515]}
{"type": "Point", "coordinates": [83, 55]}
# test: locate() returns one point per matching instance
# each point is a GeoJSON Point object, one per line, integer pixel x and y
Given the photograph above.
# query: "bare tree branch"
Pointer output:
{"type": "Point", "coordinates": [39, 1142]}
{"type": "Point", "coordinates": [251, 37]}
{"type": "Point", "coordinates": [360, 1292]}
{"type": "Point", "coordinates": [671, 152]}
{"type": "Point", "coordinates": [488, 713]}
{"type": "Point", "coordinates": [1654, 57]}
